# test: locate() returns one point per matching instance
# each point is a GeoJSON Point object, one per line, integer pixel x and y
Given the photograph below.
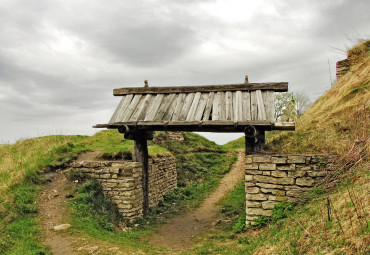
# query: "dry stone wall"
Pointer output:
{"type": "Point", "coordinates": [270, 179]}
{"type": "Point", "coordinates": [121, 182]}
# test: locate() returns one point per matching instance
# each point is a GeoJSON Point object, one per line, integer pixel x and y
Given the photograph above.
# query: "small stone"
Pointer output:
{"type": "Point", "coordinates": [305, 181]}
{"type": "Point", "coordinates": [297, 159]}
{"type": "Point", "coordinates": [269, 186]}
{"type": "Point", "coordinates": [262, 159]}
{"type": "Point", "coordinates": [278, 160]}
{"type": "Point", "coordinates": [252, 204]}
{"type": "Point", "coordinates": [252, 190]}
{"type": "Point", "coordinates": [266, 166]}
{"type": "Point", "coordinates": [268, 205]}
{"type": "Point", "coordinates": [279, 174]}
{"type": "Point", "coordinates": [258, 197]}
{"type": "Point", "coordinates": [253, 166]}
{"type": "Point", "coordinates": [62, 227]}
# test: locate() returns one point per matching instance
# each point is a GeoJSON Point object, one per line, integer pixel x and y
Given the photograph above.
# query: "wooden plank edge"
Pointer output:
{"type": "Point", "coordinates": [275, 86]}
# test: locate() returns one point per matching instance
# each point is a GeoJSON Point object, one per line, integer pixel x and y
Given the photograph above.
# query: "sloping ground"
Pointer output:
{"type": "Point", "coordinates": [179, 231]}
{"type": "Point", "coordinates": [335, 222]}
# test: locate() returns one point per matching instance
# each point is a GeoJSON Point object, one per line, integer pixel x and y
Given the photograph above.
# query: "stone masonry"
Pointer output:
{"type": "Point", "coordinates": [270, 179]}
{"type": "Point", "coordinates": [121, 182]}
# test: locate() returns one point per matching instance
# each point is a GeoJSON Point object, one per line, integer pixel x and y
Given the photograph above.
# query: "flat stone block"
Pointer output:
{"type": "Point", "coordinates": [267, 166]}
{"type": "Point", "coordinates": [274, 191]}
{"type": "Point", "coordinates": [257, 197]}
{"type": "Point", "coordinates": [305, 181]}
{"type": "Point", "coordinates": [248, 160]}
{"type": "Point", "coordinates": [294, 193]}
{"type": "Point", "coordinates": [285, 167]}
{"type": "Point", "coordinates": [296, 173]}
{"type": "Point", "coordinates": [268, 205]}
{"type": "Point", "coordinates": [252, 204]}
{"type": "Point", "coordinates": [262, 159]}
{"type": "Point", "coordinates": [317, 173]}
{"type": "Point", "coordinates": [268, 173]}
{"type": "Point", "coordinates": [105, 176]}
{"type": "Point", "coordinates": [279, 160]}
{"type": "Point", "coordinates": [252, 166]}
{"type": "Point", "coordinates": [248, 177]}
{"type": "Point", "coordinates": [273, 180]}
{"type": "Point", "coordinates": [252, 190]}
{"type": "Point", "coordinates": [297, 159]}
{"type": "Point", "coordinates": [269, 186]}
{"type": "Point", "coordinates": [279, 174]}
{"type": "Point", "coordinates": [258, 212]}
{"type": "Point", "coordinates": [249, 184]}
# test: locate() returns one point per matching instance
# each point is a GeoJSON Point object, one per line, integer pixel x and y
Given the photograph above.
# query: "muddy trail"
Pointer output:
{"type": "Point", "coordinates": [177, 234]}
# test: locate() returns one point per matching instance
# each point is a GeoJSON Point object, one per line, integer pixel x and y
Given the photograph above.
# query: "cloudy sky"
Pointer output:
{"type": "Point", "coordinates": [61, 59]}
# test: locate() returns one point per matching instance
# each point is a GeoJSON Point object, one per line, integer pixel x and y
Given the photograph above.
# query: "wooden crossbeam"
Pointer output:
{"type": "Point", "coordinates": [274, 86]}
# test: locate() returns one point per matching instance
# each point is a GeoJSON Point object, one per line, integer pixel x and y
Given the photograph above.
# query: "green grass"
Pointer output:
{"type": "Point", "coordinates": [21, 176]}
{"type": "Point", "coordinates": [200, 165]}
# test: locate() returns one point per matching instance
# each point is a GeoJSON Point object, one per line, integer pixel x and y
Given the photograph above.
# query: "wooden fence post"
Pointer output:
{"type": "Point", "coordinates": [141, 155]}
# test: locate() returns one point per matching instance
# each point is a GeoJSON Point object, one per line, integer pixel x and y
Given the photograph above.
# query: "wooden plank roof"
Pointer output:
{"type": "Point", "coordinates": [219, 108]}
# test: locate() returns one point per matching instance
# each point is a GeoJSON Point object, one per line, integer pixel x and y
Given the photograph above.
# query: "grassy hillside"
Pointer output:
{"type": "Point", "coordinates": [201, 164]}
{"type": "Point", "coordinates": [337, 123]}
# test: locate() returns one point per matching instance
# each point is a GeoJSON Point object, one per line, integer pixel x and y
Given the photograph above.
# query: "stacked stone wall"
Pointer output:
{"type": "Point", "coordinates": [343, 67]}
{"type": "Point", "coordinates": [121, 182]}
{"type": "Point", "coordinates": [270, 179]}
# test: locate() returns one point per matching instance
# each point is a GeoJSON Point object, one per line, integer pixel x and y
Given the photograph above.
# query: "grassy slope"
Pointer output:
{"type": "Point", "coordinates": [337, 123]}
{"type": "Point", "coordinates": [21, 168]}
{"type": "Point", "coordinates": [201, 164]}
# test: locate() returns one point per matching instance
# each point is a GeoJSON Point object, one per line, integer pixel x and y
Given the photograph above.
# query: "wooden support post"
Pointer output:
{"type": "Point", "coordinates": [141, 155]}
{"type": "Point", "coordinates": [254, 139]}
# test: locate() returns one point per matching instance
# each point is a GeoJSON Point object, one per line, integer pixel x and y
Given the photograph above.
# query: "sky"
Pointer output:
{"type": "Point", "coordinates": [61, 59]}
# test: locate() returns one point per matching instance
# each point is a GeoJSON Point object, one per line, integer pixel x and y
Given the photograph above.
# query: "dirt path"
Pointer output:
{"type": "Point", "coordinates": [178, 232]}
{"type": "Point", "coordinates": [53, 211]}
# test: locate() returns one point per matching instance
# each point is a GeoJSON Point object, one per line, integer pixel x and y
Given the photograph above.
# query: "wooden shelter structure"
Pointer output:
{"type": "Point", "coordinates": [246, 107]}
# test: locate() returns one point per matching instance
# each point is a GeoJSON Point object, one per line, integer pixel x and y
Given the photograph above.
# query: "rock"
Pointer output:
{"type": "Point", "coordinates": [62, 227]}
{"type": "Point", "coordinates": [306, 181]}
{"type": "Point", "coordinates": [267, 166]}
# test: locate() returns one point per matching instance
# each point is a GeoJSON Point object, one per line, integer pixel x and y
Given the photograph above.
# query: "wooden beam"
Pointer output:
{"type": "Point", "coordinates": [141, 155]}
{"type": "Point", "coordinates": [274, 86]}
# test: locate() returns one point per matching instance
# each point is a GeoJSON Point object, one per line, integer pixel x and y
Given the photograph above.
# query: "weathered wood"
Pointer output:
{"type": "Point", "coordinates": [254, 111]}
{"type": "Point", "coordinates": [118, 109]}
{"type": "Point", "coordinates": [124, 108]}
{"type": "Point", "coordinates": [187, 104]}
{"type": "Point", "coordinates": [179, 104]}
{"type": "Point", "coordinates": [221, 106]}
{"type": "Point", "coordinates": [268, 99]}
{"type": "Point", "coordinates": [228, 105]}
{"type": "Point", "coordinates": [215, 111]}
{"type": "Point", "coordinates": [246, 105]}
{"type": "Point", "coordinates": [207, 111]}
{"type": "Point", "coordinates": [237, 105]}
{"type": "Point", "coordinates": [201, 106]}
{"type": "Point", "coordinates": [141, 155]}
{"type": "Point", "coordinates": [140, 110]}
{"type": "Point", "coordinates": [193, 107]}
{"type": "Point", "coordinates": [275, 86]}
{"type": "Point", "coordinates": [152, 110]}
{"type": "Point", "coordinates": [166, 102]}
{"type": "Point", "coordinates": [131, 108]}
{"type": "Point", "coordinates": [261, 114]}
{"type": "Point", "coordinates": [170, 110]}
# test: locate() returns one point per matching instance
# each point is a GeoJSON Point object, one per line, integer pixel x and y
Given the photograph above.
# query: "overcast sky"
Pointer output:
{"type": "Point", "coordinates": [61, 59]}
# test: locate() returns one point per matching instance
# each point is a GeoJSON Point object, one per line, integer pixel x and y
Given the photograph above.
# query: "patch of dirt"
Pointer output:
{"type": "Point", "coordinates": [53, 211]}
{"type": "Point", "coordinates": [179, 232]}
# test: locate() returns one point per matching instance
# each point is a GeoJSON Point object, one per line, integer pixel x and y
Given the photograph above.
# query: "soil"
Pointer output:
{"type": "Point", "coordinates": [179, 232]}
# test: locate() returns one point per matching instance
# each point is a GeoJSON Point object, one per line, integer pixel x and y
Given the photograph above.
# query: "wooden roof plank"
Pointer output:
{"type": "Point", "coordinates": [254, 111]}
{"type": "Point", "coordinates": [179, 104]}
{"type": "Point", "coordinates": [124, 108]}
{"type": "Point", "coordinates": [208, 109]}
{"type": "Point", "coordinates": [237, 105]}
{"type": "Point", "coordinates": [269, 100]}
{"type": "Point", "coordinates": [166, 102]}
{"type": "Point", "coordinates": [171, 109]}
{"type": "Point", "coordinates": [201, 106]}
{"type": "Point", "coordinates": [187, 104]}
{"type": "Point", "coordinates": [131, 108]}
{"type": "Point", "coordinates": [215, 106]}
{"type": "Point", "coordinates": [118, 109]}
{"type": "Point", "coordinates": [246, 105]}
{"type": "Point", "coordinates": [275, 86]}
{"type": "Point", "coordinates": [154, 106]}
{"type": "Point", "coordinates": [140, 112]}
{"type": "Point", "coordinates": [229, 105]}
{"type": "Point", "coordinates": [193, 107]}
{"type": "Point", "coordinates": [221, 106]}
{"type": "Point", "coordinates": [135, 113]}
{"type": "Point", "coordinates": [260, 106]}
